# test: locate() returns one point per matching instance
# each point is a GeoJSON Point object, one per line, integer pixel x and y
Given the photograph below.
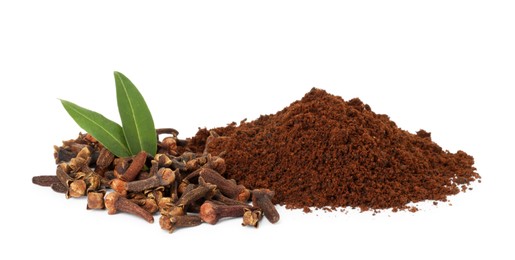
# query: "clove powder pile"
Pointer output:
{"type": "Point", "coordinates": [322, 151]}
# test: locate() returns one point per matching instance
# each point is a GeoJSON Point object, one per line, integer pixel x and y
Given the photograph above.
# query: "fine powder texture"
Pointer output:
{"type": "Point", "coordinates": [324, 152]}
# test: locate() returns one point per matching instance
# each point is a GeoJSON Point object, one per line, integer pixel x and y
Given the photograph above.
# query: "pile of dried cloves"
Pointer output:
{"type": "Point", "coordinates": [186, 188]}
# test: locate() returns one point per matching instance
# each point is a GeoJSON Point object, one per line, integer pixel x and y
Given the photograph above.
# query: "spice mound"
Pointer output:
{"type": "Point", "coordinates": [322, 151]}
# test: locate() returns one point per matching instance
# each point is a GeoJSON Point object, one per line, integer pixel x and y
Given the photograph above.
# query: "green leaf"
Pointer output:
{"type": "Point", "coordinates": [107, 132]}
{"type": "Point", "coordinates": [137, 122]}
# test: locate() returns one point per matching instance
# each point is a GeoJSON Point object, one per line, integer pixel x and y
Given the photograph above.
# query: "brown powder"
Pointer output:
{"type": "Point", "coordinates": [324, 152]}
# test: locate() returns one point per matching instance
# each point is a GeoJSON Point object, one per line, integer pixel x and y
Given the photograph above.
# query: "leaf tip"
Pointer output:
{"type": "Point", "coordinates": [118, 74]}
{"type": "Point", "coordinates": [63, 101]}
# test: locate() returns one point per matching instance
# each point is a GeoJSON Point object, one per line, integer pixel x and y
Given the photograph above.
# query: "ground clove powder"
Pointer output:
{"type": "Point", "coordinates": [322, 151]}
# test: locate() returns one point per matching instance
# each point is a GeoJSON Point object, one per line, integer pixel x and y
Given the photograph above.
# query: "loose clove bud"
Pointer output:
{"type": "Point", "coordinates": [82, 159]}
{"type": "Point", "coordinates": [135, 167]}
{"type": "Point", "coordinates": [76, 188]}
{"type": "Point", "coordinates": [168, 145]}
{"type": "Point", "coordinates": [188, 156]}
{"type": "Point", "coordinates": [252, 217]}
{"type": "Point", "coordinates": [119, 186]}
{"type": "Point", "coordinates": [171, 223]}
{"type": "Point", "coordinates": [120, 166]}
{"type": "Point", "coordinates": [165, 204]}
{"type": "Point", "coordinates": [164, 177]}
{"type": "Point", "coordinates": [45, 180]}
{"type": "Point", "coordinates": [156, 193]}
{"type": "Point", "coordinates": [114, 203]}
{"type": "Point", "coordinates": [202, 191]}
{"type": "Point", "coordinates": [62, 154]}
{"type": "Point", "coordinates": [228, 188]}
{"type": "Point", "coordinates": [96, 199]}
{"type": "Point", "coordinates": [104, 160]}
{"type": "Point", "coordinates": [174, 162]}
{"type": "Point", "coordinates": [148, 203]}
{"type": "Point", "coordinates": [93, 180]}
{"type": "Point", "coordinates": [216, 163]}
{"type": "Point", "coordinates": [163, 160]}
{"type": "Point", "coordinates": [196, 163]}
{"type": "Point", "coordinates": [262, 198]}
{"type": "Point", "coordinates": [211, 212]}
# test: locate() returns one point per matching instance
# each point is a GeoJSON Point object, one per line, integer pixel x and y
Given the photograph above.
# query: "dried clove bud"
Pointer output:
{"type": "Point", "coordinates": [252, 217]}
{"type": "Point", "coordinates": [148, 204]}
{"type": "Point", "coordinates": [165, 204]}
{"type": "Point", "coordinates": [196, 163]}
{"type": "Point", "coordinates": [135, 167]}
{"type": "Point", "coordinates": [191, 176]}
{"type": "Point", "coordinates": [75, 145]}
{"type": "Point", "coordinates": [211, 212]}
{"type": "Point", "coordinates": [109, 175]}
{"type": "Point", "coordinates": [104, 160]}
{"type": "Point", "coordinates": [119, 186]}
{"type": "Point", "coordinates": [174, 163]}
{"type": "Point", "coordinates": [181, 188]}
{"type": "Point", "coordinates": [228, 188]}
{"type": "Point", "coordinates": [122, 187]}
{"type": "Point", "coordinates": [177, 163]}
{"type": "Point", "coordinates": [59, 187]}
{"type": "Point", "coordinates": [82, 159]}
{"type": "Point", "coordinates": [203, 190]}
{"type": "Point", "coordinates": [155, 194]}
{"type": "Point", "coordinates": [88, 138]}
{"type": "Point", "coordinates": [76, 188]}
{"type": "Point", "coordinates": [146, 201]}
{"type": "Point", "coordinates": [262, 198]}
{"type": "Point", "coordinates": [164, 177]}
{"type": "Point", "coordinates": [92, 179]}
{"type": "Point", "coordinates": [120, 166]}
{"type": "Point", "coordinates": [63, 155]}
{"type": "Point", "coordinates": [171, 223]}
{"type": "Point", "coordinates": [163, 160]}
{"type": "Point", "coordinates": [169, 146]}
{"type": "Point", "coordinates": [114, 203]}
{"type": "Point", "coordinates": [45, 180]}
{"type": "Point", "coordinates": [96, 199]}
{"type": "Point", "coordinates": [216, 163]}
{"type": "Point", "coordinates": [188, 156]}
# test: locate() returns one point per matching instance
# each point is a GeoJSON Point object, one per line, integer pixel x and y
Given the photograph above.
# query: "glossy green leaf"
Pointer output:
{"type": "Point", "coordinates": [107, 132]}
{"type": "Point", "coordinates": [137, 122]}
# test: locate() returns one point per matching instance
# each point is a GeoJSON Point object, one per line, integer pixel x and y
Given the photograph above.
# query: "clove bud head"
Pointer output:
{"type": "Point", "coordinates": [252, 217]}
{"type": "Point", "coordinates": [76, 188]}
{"type": "Point", "coordinates": [167, 176]}
{"type": "Point", "coordinates": [96, 199]}
{"type": "Point", "coordinates": [163, 160]}
{"type": "Point", "coordinates": [119, 186]}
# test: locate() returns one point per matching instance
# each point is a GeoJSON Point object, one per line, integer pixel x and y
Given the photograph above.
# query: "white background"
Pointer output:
{"type": "Point", "coordinates": [444, 66]}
